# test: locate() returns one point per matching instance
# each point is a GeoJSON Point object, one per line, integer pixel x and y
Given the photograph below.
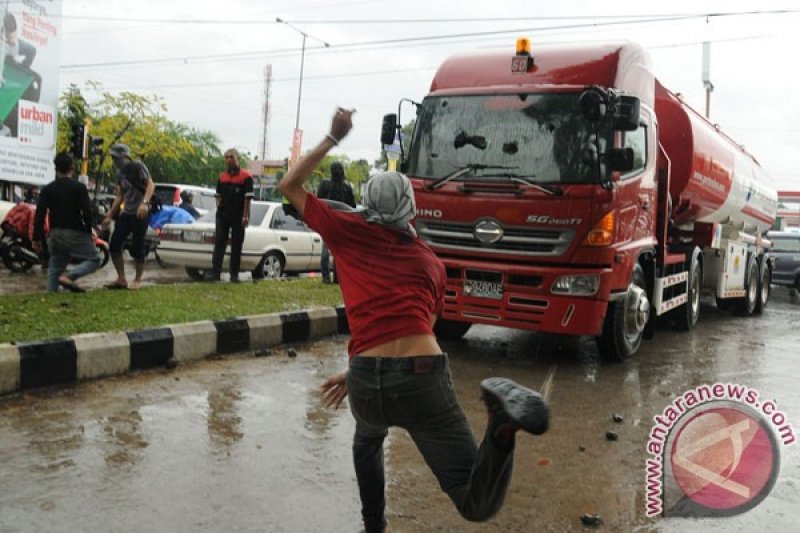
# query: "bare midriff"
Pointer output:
{"type": "Point", "coordinates": [411, 346]}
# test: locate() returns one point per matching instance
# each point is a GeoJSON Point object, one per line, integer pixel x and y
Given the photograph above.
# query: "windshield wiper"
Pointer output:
{"type": "Point", "coordinates": [546, 188]}
{"type": "Point", "coordinates": [462, 171]}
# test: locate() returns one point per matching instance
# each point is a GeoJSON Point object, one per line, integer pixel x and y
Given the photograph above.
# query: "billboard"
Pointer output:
{"type": "Point", "coordinates": [29, 42]}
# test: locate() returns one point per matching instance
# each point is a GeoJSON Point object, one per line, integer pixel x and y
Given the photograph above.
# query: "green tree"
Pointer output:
{"type": "Point", "coordinates": [173, 152]}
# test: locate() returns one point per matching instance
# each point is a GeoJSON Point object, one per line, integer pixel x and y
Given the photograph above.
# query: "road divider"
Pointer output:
{"type": "Point", "coordinates": [30, 365]}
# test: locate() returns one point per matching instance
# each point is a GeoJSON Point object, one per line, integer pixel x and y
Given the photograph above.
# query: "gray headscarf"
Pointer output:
{"type": "Point", "coordinates": [389, 200]}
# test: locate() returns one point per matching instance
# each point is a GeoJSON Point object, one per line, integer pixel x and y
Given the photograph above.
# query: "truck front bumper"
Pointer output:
{"type": "Point", "coordinates": [526, 301]}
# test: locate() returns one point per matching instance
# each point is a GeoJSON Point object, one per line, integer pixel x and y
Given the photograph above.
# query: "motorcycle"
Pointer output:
{"type": "Point", "coordinates": [18, 255]}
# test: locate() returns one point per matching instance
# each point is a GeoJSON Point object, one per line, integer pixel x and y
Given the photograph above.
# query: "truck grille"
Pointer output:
{"type": "Point", "coordinates": [515, 240]}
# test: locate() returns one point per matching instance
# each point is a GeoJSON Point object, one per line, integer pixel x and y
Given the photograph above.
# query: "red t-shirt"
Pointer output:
{"type": "Point", "coordinates": [391, 282]}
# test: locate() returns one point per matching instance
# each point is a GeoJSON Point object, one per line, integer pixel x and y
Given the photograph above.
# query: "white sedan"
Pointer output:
{"type": "Point", "coordinates": [274, 243]}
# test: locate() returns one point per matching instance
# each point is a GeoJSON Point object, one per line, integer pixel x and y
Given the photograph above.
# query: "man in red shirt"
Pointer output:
{"type": "Point", "coordinates": [234, 193]}
{"type": "Point", "coordinates": [393, 289]}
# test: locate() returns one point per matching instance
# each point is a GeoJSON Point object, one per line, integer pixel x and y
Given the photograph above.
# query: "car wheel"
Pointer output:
{"type": "Point", "coordinates": [271, 266]}
{"type": "Point", "coordinates": [196, 274]}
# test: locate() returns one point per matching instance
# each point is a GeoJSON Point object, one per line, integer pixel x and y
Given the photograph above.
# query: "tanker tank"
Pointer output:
{"type": "Point", "coordinates": [713, 179]}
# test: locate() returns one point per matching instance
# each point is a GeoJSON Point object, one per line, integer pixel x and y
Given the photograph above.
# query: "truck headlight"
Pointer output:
{"type": "Point", "coordinates": [584, 285]}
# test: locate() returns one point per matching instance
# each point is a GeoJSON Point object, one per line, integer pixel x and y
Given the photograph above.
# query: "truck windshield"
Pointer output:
{"type": "Point", "coordinates": [542, 137]}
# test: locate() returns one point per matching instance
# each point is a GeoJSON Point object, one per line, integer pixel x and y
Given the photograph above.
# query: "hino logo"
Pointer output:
{"type": "Point", "coordinates": [547, 219]}
{"type": "Point", "coordinates": [429, 213]}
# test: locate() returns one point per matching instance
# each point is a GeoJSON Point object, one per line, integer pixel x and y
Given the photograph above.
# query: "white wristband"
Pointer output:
{"type": "Point", "coordinates": [333, 139]}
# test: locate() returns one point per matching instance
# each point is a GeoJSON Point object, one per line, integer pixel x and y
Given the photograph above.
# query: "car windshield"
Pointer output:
{"type": "Point", "coordinates": [786, 243]}
{"type": "Point", "coordinates": [542, 137]}
{"type": "Point", "coordinates": [166, 195]}
{"type": "Point", "coordinates": [257, 213]}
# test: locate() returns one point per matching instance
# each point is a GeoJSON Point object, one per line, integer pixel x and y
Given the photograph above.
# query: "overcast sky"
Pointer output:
{"type": "Point", "coordinates": [189, 57]}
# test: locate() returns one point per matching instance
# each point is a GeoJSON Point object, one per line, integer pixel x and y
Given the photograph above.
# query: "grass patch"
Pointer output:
{"type": "Point", "coordinates": [29, 317]}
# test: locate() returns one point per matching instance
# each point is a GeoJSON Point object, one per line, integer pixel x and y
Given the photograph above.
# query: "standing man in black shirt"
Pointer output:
{"type": "Point", "coordinates": [67, 202]}
{"type": "Point", "coordinates": [337, 188]}
{"type": "Point", "coordinates": [234, 193]}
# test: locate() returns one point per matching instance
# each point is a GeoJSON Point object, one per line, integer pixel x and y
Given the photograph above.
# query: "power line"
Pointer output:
{"type": "Point", "coordinates": [272, 20]}
{"type": "Point", "coordinates": [364, 45]}
{"type": "Point", "coordinates": [274, 80]}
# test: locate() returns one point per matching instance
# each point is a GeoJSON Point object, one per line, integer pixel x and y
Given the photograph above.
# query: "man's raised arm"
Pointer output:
{"type": "Point", "coordinates": [291, 185]}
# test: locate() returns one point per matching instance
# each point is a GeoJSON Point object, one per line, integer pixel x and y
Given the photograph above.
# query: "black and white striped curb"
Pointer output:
{"type": "Point", "coordinates": [28, 365]}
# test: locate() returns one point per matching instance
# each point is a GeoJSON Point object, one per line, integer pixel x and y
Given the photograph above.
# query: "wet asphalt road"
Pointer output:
{"type": "Point", "coordinates": [242, 443]}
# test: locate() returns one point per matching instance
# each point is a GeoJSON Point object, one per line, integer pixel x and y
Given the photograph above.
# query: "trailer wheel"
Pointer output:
{"type": "Point", "coordinates": [450, 330]}
{"type": "Point", "coordinates": [764, 283]}
{"type": "Point", "coordinates": [747, 303]}
{"type": "Point", "coordinates": [685, 317]}
{"type": "Point", "coordinates": [623, 328]}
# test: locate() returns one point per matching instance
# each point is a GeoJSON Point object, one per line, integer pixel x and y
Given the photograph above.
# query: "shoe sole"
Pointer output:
{"type": "Point", "coordinates": [524, 406]}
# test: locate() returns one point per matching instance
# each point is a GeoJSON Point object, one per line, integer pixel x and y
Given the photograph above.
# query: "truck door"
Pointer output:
{"type": "Point", "coordinates": [637, 188]}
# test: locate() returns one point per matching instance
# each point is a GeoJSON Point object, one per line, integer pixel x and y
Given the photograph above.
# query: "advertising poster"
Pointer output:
{"type": "Point", "coordinates": [29, 44]}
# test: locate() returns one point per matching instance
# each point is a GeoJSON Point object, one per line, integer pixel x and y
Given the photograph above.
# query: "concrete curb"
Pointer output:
{"type": "Point", "coordinates": [29, 365]}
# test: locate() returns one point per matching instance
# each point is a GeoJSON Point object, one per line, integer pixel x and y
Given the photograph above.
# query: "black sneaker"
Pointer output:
{"type": "Point", "coordinates": [516, 404]}
{"type": "Point", "coordinates": [234, 278]}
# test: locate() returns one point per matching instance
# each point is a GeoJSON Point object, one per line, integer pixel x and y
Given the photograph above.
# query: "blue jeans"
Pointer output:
{"type": "Point", "coordinates": [417, 394]}
{"type": "Point", "coordinates": [65, 245]}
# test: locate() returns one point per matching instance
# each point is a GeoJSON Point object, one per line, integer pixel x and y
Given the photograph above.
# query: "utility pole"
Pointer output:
{"type": "Point", "coordinates": [707, 76]}
{"type": "Point", "coordinates": [297, 136]}
{"type": "Point", "coordinates": [266, 110]}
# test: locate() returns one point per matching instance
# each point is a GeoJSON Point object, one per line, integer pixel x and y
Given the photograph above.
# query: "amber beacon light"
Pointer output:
{"type": "Point", "coordinates": [523, 46]}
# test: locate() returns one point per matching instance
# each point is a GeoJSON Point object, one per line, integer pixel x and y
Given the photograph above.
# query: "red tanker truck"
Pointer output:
{"type": "Point", "coordinates": [567, 191]}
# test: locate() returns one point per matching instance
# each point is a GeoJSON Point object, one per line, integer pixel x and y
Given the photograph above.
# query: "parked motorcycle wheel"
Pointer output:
{"type": "Point", "coordinates": [17, 258]}
{"type": "Point", "coordinates": [105, 255]}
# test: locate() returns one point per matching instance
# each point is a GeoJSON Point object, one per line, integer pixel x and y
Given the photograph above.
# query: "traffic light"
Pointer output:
{"type": "Point", "coordinates": [95, 145]}
{"type": "Point", "coordinates": [77, 140]}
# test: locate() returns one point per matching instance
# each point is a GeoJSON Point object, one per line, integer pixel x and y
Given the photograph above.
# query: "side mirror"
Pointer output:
{"type": "Point", "coordinates": [626, 115]}
{"type": "Point", "coordinates": [620, 159]}
{"type": "Point", "coordinates": [593, 104]}
{"type": "Point", "coordinates": [389, 129]}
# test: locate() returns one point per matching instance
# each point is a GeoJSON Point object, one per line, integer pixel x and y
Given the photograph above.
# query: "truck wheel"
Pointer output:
{"type": "Point", "coordinates": [685, 317]}
{"type": "Point", "coordinates": [450, 330]}
{"type": "Point", "coordinates": [764, 283]}
{"type": "Point", "coordinates": [747, 304]}
{"type": "Point", "coordinates": [625, 321]}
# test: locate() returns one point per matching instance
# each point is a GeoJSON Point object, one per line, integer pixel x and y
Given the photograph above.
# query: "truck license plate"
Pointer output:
{"type": "Point", "coordinates": [192, 236]}
{"type": "Point", "coordinates": [483, 289]}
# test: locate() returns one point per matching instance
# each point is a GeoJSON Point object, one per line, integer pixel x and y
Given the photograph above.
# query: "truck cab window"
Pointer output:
{"type": "Point", "coordinates": [637, 140]}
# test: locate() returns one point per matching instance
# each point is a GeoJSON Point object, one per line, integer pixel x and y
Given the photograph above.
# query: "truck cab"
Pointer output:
{"type": "Point", "coordinates": [543, 184]}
